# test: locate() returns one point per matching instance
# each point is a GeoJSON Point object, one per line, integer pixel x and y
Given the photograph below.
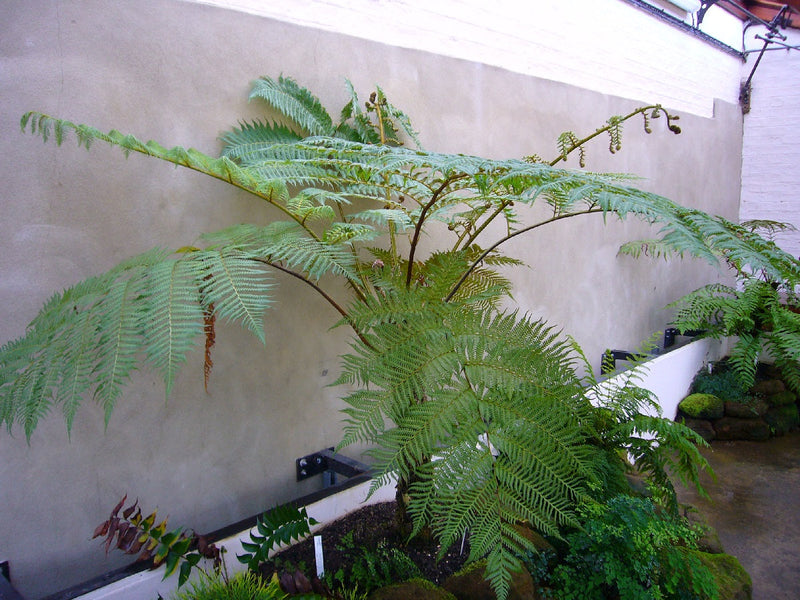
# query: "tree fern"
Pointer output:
{"type": "Point", "coordinates": [439, 378]}
{"type": "Point", "coordinates": [439, 370]}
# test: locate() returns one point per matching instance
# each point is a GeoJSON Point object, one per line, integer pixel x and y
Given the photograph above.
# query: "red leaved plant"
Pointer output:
{"type": "Point", "coordinates": [133, 533]}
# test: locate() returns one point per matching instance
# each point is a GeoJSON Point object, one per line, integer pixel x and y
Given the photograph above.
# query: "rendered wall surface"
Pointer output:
{"type": "Point", "coordinates": [179, 73]}
{"type": "Point", "coordinates": [771, 154]}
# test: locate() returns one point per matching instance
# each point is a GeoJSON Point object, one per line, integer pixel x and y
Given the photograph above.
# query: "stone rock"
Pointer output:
{"type": "Point", "coordinates": [783, 398]}
{"type": "Point", "coordinates": [751, 409]}
{"type": "Point", "coordinates": [768, 387]}
{"type": "Point", "coordinates": [702, 406]}
{"type": "Point", "coordinates": [732, 580]}
{"type": "Point", "coordinates": [545, 548]}
{"type": "Point", "coordinates": [469, 584]}
{"type": "Point", "coordinates": [709, 540]}
{"type": "Point", "coordinates": [419, 589]}
{"type": "Point", "coordinates": [733, 428]}
{"type": "Point", "coordinates": [783, 419]}
{"type": "Point", "coordinates": [702, 427]}
{"type": "Point", "coordinates": [638, 484]}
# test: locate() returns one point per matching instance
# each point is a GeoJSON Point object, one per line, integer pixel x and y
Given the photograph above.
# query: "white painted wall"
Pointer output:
{"type": "Point", "coordinates": [771, 152]}
{"type": "Point", "coordinates": [619, 50]}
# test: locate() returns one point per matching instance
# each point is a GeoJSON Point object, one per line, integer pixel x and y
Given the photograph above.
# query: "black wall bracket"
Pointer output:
{"type": "Point", "coordinates": [327, 460]}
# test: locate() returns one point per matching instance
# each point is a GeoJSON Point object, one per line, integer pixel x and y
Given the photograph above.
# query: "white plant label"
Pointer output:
{"type": "Point", "coordinates": [318, 555]}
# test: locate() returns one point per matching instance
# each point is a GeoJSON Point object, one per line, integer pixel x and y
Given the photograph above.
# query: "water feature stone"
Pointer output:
{"type": "Point", "coordinates": [470, 584]}
{"type": "Point", "coordinates": [753, 507]}
{"type": "Point", "coordinates": [768, 387]}
{"type": "Point", "coordinates": [732, 580]}
{"type": "Point", "coordinates": [702, 427]}
{"type": "Point", "coordinates": [419, 589]}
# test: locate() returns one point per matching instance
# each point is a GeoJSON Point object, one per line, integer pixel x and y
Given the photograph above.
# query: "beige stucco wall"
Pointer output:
{"type": "Point", "coordinates": [179, 73]}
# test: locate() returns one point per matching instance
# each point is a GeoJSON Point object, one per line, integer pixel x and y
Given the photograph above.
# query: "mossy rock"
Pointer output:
{"type": "Point", "coordinates": [470, 584]}
{"type": "Point", "coordinates": [702, 406]}
{"type": "Point", "coordinates": [732, 580]}
{"type": "Point", "coordinates": [768, 387]}
{"type": "Point", "coordinates": [751, 409]}
{"type": "Point", "coordinates": [783, 398]}
{"type": "Point", "coordinates": [701, 427]}
{"type": "Point", "coordinates": [534, 537]}
{"type": "Point", "coordinates": [419, 589]}
{"type": "Point", "coordinates": [783, 419]}
{"type": "Point", "coordinates": [709, 539]}
{"type": "Point", "coordinates": [733, 428]}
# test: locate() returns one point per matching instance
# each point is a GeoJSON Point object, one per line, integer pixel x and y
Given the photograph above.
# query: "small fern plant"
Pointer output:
{"type": "Point", "coordinates": [131, 532]}
{"type": "Point", "coordinates": [443, 372]}
{"type": "Point", "coordinates": [278, 526]}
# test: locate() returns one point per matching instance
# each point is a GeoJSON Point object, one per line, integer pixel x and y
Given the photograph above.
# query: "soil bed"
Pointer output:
{"type": "Point", "coordinates": [370, 526]}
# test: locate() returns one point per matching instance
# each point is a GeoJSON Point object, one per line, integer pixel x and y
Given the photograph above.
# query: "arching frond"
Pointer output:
{"type": "Point", "coordinates": [294, 102]}
{"type": "Point", "coordinates": [249, 139]}
{"type": "Point", "coordinates": [90, 338]}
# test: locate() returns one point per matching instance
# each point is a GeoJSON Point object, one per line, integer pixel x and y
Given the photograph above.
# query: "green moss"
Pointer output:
{"type": "Point", "coordinates": [783, 398]}
{"type": "Point", "coordinates": [702, 406]}
{"type": "Point", "coordinates": [732, 580]}
{"type": "Point", "coordinates": [420, 589]}
{"type": "Point", "coordinates": [470, 567]}
{"type": "Point", "coordinates": [783, 419]}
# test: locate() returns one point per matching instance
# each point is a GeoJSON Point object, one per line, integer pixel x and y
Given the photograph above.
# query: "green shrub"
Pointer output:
{"type": "Point", "coordinates": [242, 586]}
{"type": "Point", "coordinates": [630, 550]}
{"type": "Point", "coordinates": [373, 568]}
{"type": "Point", "coordinates": [722, 382]}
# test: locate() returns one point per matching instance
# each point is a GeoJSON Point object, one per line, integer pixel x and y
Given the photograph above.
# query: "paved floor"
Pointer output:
{"type": "Point", "coordinates": [755, 508]}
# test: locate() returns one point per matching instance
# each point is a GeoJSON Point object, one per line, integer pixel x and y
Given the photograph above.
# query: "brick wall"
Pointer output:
{"type": "Point", "coordinates": [771, 152]}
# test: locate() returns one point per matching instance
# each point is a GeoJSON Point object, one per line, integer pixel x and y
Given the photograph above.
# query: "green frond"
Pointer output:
{"type": "Point", "coordinates": [288, 244]}
{"type": "Point", "coordinates": [652, 248]}
{"type": "Point", "coordinates": [219, 168]}
{"type": "Point", "coordinates": [384, 217]}
{"type": "Point", "coordinates": [249, 139]}
{"type": "Point", "coordinates": [395, 121]}
{"type": "Point", "coordinates": [294, 102]}
{"type": "Point", "coordinates": [175, 316]}
{"type": "Point", "coordinates": [236, 286]}
{"type": "Point", "coordinates": [768, 226]}
{"type": "Point", "coordinates": [351, 233]}
{"type": "Point", "coordinates": [492, 398]}
{"type": "Point", "coordinates": [91, 337]}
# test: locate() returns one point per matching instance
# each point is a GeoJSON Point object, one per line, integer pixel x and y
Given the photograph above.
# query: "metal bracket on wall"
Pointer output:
{"type": "Point", "coordinates": [7, 591]}
{"type": "Point", "coordinates": [327, 460]}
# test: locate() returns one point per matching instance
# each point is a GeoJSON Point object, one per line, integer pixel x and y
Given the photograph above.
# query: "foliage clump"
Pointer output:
{"type": "Point", "coordinates": [720, 380]}
{"type": "Point", "coordinates": [628, 549]}
{"type": "Point", "coordinates": [762, 313]}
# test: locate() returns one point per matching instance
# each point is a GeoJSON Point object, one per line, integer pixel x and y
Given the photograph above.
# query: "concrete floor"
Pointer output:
{"type": "Point", "coordinates": [755, 508]}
